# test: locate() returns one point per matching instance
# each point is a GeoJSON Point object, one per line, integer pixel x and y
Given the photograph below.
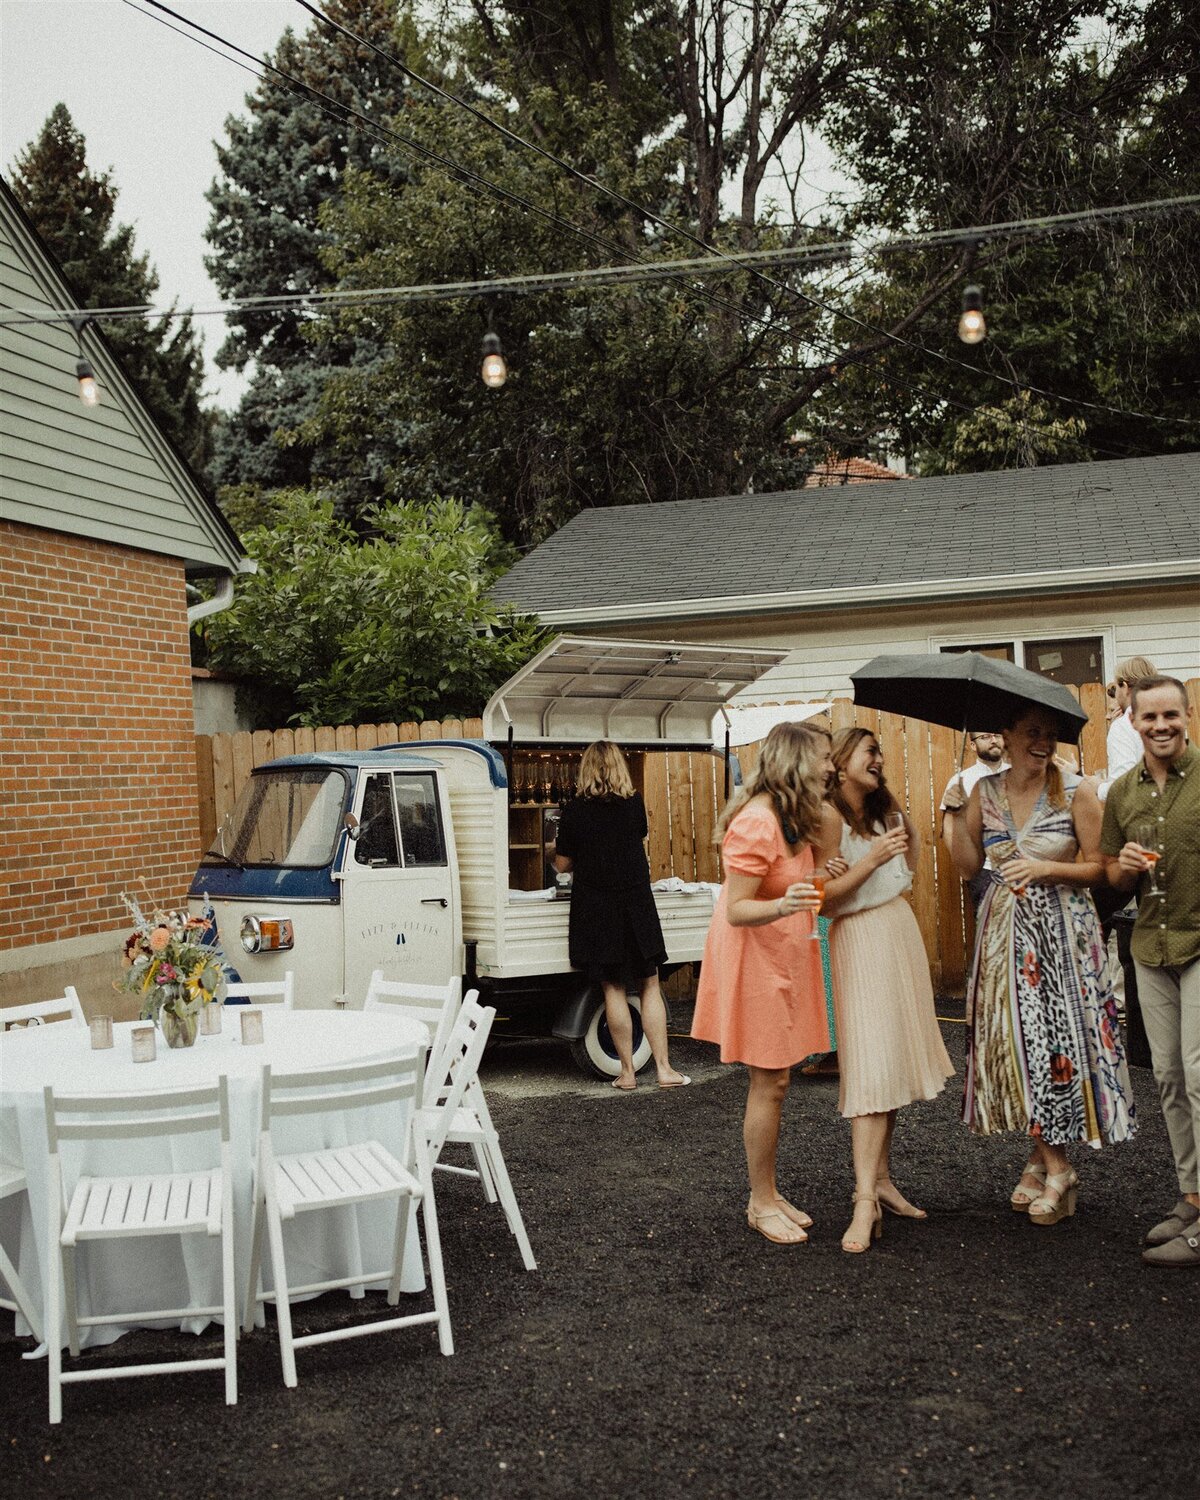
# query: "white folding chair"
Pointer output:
{"type": "Point", "coordinates": [265, 991]}
{"type": "Point", "coordinates": [128, 1207]}
{"type": "Point", "coordinates": [12, 1184]}
{"type": "Point", "coordinates": [458, 1114]}
{"type": "Point", "coordinates": [362, 1171]}
{"type": "Point", "coordinates": [434, 1005]}
{"type": "Point", "coordinates": [65, 1007]}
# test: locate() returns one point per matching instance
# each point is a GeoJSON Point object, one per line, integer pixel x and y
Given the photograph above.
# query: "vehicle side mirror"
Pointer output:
{"type": "Point", "coordinates": [352, 825]}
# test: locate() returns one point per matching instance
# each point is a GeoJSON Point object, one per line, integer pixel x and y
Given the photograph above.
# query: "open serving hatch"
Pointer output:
{"type": "Point", "coordinates": [633, 692]}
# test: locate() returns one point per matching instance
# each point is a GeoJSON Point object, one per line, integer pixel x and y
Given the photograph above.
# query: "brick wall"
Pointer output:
{"type": "Point", "coordinates": [97, 760]}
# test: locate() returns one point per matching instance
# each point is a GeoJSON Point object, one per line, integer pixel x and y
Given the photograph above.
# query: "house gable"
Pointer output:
{"type": "Point", "coordinates": [106, 472]}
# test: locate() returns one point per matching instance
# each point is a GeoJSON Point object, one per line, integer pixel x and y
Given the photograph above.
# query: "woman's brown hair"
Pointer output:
{"type": "Point", "coordinates": [789, 771]}
{"type": "Point", "coordinates": [604, 772]}
{"type": "Point", "coordinates": [1055, 793]}
{"type": "Point", "coordinates": [876, 804]}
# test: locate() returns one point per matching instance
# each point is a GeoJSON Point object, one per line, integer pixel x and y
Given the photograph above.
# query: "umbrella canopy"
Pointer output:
{"type": "Point", "coordinates": [964, 691]}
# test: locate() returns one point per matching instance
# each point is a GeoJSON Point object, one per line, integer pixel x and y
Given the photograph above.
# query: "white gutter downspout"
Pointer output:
{"type": "Point", "coordinates": [223, 598]}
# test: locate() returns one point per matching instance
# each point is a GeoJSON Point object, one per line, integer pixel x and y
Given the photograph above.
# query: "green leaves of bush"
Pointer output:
{"type": "Point", "coordinates": [336, 630]}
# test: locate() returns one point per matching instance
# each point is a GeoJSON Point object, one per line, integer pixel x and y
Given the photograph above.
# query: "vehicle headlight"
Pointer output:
{"type": "Point", "coordinates": [266, 934]}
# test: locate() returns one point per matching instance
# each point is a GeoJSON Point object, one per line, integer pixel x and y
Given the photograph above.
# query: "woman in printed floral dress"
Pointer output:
{"type": "Point", "coordinates": [1046, 1055]}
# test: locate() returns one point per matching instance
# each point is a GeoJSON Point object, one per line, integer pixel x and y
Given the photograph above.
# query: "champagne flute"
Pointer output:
{"type": "Point", "coordinates": [819, 882]}
{"type": "Point", "coordinates": [1017, 890]}
{"type": "Point", "coordinates": [1145, 835]}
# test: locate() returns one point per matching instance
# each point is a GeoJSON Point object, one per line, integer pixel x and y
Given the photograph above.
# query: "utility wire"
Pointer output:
{"type": "Point", "coordinates": [372, 296]}
{"type": "Point", "coordinates": [472, 178]}
{"type": "Point", "coordinates": [736, 260]}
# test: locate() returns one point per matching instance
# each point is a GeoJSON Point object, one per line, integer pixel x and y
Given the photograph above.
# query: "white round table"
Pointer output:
{"type": "Point", "coordinates": [319, 1247]}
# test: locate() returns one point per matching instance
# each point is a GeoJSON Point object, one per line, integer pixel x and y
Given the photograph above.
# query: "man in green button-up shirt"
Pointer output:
{"type": "Point", "coordinates": [1151, 840]}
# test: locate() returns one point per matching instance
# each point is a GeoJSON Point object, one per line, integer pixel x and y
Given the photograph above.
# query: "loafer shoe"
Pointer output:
{"type": "Point", "coordinates": [1183, 1216]}
{"type": "Point", "coordinates": [1180, 1253]}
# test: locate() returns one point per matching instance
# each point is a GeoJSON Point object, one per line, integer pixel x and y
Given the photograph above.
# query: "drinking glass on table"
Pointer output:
{"type": "Point", "coordinates": [1144, 834]}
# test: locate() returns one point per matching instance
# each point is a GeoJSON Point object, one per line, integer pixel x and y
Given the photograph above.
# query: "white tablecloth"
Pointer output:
{"type": "Point", "coordinates": [153, 1273]}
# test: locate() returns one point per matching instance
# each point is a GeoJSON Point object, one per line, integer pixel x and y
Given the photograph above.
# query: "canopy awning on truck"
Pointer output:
{"type": "Point", "coordinates": [633, 692]}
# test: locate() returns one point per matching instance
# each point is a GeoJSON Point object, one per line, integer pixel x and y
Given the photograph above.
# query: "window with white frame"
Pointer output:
{"type": "Point", "coordinates": [1068, 658]}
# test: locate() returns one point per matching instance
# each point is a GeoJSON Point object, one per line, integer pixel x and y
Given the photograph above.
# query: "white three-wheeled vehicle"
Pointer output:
{"type": "Point", "coordinates": [431, 859]}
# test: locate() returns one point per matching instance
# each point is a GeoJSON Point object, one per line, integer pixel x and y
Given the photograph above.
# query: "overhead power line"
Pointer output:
{"type": "Point", "coordinates": [471, 177]}
{"type": "Point", "coordinates": [736, 260]}
{"type": "Point", "coordinates": [713, 261]}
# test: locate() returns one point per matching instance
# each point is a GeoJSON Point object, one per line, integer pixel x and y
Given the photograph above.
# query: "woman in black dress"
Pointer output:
{"type": "Point", "coordinates": [615, 935]}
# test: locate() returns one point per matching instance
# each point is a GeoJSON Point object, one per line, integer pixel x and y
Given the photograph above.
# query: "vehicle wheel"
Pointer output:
{"type": "Point", "coordinates": [594, 1051]}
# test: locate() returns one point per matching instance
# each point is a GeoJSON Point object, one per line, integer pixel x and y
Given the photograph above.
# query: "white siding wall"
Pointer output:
{"type": "Point", "coordinates": [1162, 623]}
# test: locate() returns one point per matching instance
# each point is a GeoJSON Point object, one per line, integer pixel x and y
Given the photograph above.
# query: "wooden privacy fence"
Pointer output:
{"type": "Point", "coordinates": [685, 795]}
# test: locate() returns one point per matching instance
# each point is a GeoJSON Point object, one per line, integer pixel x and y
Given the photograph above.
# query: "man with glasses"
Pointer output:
{"type": "Point", "coordinates": [989, 760]}
{"type": "Point", "coordinates": [1150, 843]}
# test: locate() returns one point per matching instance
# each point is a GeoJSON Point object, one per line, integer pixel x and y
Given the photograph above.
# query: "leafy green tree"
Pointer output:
{"type": "Point", "coordinates": [73, 209]}
{"type": "Point", "coordinates": [615, 396]}
{"type": "Point", "coordinates": [334, 630]}
{"type": "Point", "coordinates": [971, 111]}
{"type": "Point", "coordinates": [283, 161]}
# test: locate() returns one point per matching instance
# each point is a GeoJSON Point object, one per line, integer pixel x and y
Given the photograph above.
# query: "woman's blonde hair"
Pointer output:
{"type": "Point", "coordinates": [1134, 669]}
{"type": "Point", "coordinates": [604, 772]}
{"type": "Point", "coordinates": [789, 770]}
{"type": "Point", "coordinates": [877, 803]}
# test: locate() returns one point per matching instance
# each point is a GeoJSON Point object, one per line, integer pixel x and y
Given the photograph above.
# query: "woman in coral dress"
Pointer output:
{"type": "Point", "coordinates": [1046, 1056]}
{"type": "Point", "coordinates": [760, 996]}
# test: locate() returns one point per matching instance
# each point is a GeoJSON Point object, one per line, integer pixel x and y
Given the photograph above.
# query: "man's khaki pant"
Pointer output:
{"type": "Point", "coordinates": [1170, 1002]}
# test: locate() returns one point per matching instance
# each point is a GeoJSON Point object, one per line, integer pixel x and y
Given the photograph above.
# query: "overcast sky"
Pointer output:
{"type": "Point", "coordinates": [150, 103]}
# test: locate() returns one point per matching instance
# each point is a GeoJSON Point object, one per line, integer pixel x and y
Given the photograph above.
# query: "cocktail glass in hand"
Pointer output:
{"type": "Point", "coordinates": [1144, 834]}
{"type": "Point", "coordinates": [894, 822]}
{"type": "Point", "coordinates": [1017, 890]}
{"type": "Point", "coordinates": [819, 882]}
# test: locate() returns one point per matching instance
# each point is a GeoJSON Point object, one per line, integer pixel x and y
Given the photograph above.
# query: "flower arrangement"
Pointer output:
{"type": "Point", "coordinates": [170, 965]}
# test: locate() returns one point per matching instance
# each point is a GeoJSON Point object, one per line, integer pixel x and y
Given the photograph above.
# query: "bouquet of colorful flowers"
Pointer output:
{"type": "Point", "coordinates": [171, 963]}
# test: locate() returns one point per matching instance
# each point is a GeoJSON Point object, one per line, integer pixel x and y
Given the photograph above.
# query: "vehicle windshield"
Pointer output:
{"type": "Point", "coordinates": [289, 818]}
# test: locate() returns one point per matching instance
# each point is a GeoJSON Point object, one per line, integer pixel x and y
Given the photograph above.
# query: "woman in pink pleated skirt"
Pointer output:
{"type": "Point", "coordinates": [890, 1048]}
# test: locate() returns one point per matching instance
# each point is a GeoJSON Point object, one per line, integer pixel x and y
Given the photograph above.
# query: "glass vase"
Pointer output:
{"type": "Point", "coordinates": [179, 1030]}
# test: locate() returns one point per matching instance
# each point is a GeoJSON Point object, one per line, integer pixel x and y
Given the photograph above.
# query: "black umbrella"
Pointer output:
{"type": "Point", "coordinates": [964, 691]}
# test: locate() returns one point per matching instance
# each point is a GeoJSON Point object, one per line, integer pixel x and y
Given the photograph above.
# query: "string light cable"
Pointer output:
{"type": "Point", "coordinates": [713, 250]}
{"type": "Point", "coordinates": [637, 272]}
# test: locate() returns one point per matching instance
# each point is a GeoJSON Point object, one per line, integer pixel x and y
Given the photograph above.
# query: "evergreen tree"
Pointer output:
{"type": "Point", "coordinates": [73, 209]}
{"type": "Point", "coordinates": [283, 162]}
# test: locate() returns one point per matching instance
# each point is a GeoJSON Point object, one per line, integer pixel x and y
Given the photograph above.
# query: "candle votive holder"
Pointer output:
{"type": "Point", "coordinates": [141, 1042]}
{"type": "Point", "coordinates": [210, 1018]}
{"type": "Point", "coordinates": [100, 1028]}
{"type": "Point", "coordinates": [252, 1028]}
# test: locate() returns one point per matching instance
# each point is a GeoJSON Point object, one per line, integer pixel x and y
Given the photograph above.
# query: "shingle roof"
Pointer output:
{"type": "Point", "coordinates": [853, 539]}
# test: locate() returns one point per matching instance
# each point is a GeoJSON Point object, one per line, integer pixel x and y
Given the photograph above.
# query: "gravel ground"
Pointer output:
{"type": "Point", "coordinates": [663, 1348]}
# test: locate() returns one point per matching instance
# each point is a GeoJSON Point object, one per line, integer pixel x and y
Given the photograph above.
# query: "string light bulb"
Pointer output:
{"type": "Point", "coordinates": [494, 369]}
{"type": "Point", "coordinates": [89, 391]}
{"type": "Point", "coordinates": [972, 326]}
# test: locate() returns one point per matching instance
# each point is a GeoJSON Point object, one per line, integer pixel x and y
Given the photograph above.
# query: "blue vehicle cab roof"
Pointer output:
{"type": "Point", "coordinates": [348, 760]}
